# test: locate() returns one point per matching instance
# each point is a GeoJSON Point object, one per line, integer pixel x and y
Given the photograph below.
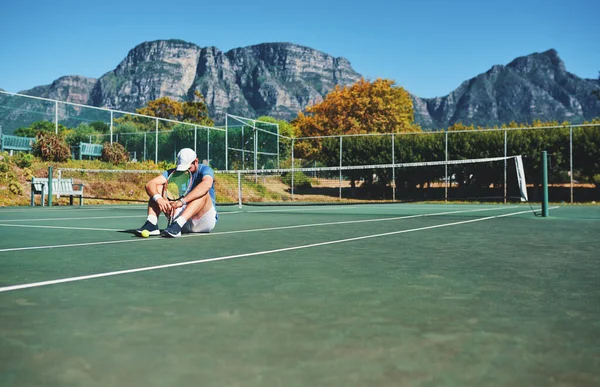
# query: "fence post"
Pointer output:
{"type": "Point", "coordinates": [226, 143]}
{"type": "Point", "coordinates": [255, 140]}
{"type": "Point", "coordinates": [446, 167]}
{"type": "Point", "coordinates": [156, 143]}
{"type": "Point", "coordinates": [341, 147]}
{"type": "Point", "coordinates": [49, 186]}
{"type": "Point", "coordinates": [208, 145]}
{"type": "Point", "coordinates": [393, 169]}
{"type": "Point", "coordinates": [505, 161]}
{"type": "Point", "coordinates": [292, 187]}
{"type": "Point", "coordinates": [56, 117]}
{"type": "Point", "coordinates": [111, 127]}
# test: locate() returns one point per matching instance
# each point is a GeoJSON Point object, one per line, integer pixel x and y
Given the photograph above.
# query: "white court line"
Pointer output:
{"type": "Point", "coordinates": [265, 252]}
{"type": "Point", "coordinates": [249, 230]}
{"type": "Point", "coordinates": [354, 221]}
{"type": "Point", "coordinates": [308, 208]}
{"type": "Point", "coordinates": [86, 218]}
{"type": "Point", "coordinates": [141, 215]}
{"type": "Point", "coordinates": [59, 227]}
{"type": "Point", "coordinates": [77, 208]}
{"type": "Point", "coordinates": [346, 206]}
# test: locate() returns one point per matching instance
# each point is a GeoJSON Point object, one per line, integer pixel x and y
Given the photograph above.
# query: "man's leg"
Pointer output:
{"type": "Point", "coordinates": [151, 224]}
{"type": "Point", "coordinates": [194, 210]}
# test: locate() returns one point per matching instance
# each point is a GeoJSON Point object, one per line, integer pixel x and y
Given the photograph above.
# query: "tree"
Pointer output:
{"type": "Point", "coordinates": [285, 129]}
{"type": "Point", "coordinates": [365, 107]}
{"type": "Point", "coordinates": [39, 126]}
{"type": "Point", "coordinates": [163, 107]}
{"type": "Point", "coordinates": [81, 133]}
{"type": "Point", "coordinates": [100, 127]}
{"type": "Point", "coordinates": [195, 112]}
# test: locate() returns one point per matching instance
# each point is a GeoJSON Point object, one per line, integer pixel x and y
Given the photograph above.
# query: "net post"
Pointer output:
{"type": "Point", "coordinates": [239, 189]}
{"type": "Point", "coordinates": [50, 186]}
{"type": "Point", "coordinates": [544, 184]}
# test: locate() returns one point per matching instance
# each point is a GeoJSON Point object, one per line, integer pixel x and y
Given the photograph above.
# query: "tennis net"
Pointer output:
{"type": "Point", "coordinates": [498, 179]}
{"type": "Point", "coordinates": [475, 180]}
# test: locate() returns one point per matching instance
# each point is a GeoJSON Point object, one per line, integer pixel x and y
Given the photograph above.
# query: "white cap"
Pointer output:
{"type": "Point", "coordinates": [185, 158]}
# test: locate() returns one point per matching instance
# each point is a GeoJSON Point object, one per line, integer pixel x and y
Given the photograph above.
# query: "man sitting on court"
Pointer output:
{"type": "Point", "coordinates": [195, 212]}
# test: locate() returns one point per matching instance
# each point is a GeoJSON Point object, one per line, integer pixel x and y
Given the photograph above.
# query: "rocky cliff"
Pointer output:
{"type": "Point", "coordinates": [536, 86]}
{"type": "Point", "coordinates": [276, 79]}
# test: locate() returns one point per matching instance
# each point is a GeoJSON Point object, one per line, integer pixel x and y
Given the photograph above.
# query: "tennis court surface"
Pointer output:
{"type": "Point", "coordinates": [346, 295]}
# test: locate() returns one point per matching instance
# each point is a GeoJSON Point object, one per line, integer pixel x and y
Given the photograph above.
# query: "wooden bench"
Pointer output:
{"type": "Point", "coordinates": [15, 143]}
{"type": "Point", "coordinates": [60, 187]}
{"type": "Point", "coordinates": [91, 150]}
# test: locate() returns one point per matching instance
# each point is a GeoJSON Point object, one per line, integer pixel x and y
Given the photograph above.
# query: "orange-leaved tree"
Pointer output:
{"type": "Point", "coordinates": [365, 107]}
{"type": "Point", "coordinates": [195, 111]}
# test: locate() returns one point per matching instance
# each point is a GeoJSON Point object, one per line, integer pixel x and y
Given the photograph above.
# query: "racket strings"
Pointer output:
{"type": "Point", "coordinates": [177, 185]}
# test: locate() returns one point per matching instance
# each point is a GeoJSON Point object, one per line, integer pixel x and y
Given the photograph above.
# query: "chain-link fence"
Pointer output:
{"type": "Point", "coordinates": [248, 144]}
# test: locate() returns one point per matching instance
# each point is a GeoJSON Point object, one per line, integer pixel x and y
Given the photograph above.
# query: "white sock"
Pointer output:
{"type": "Point", "coordinates": [153, 219]}
{"type": "Point", "coordinates": [181, 221]}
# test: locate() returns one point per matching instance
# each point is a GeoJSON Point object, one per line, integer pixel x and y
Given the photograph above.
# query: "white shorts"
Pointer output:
{"type": "Point", "coordinates": [205, 223]}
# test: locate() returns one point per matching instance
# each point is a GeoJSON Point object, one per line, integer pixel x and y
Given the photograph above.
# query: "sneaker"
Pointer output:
{"type": "Point", "coordinates": [173, 231]}
{"type": "Point", "coordinates": [151, 228]}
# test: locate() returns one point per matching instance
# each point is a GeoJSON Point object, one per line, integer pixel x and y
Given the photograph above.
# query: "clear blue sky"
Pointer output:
{"type": "Point", "coordinates": [428, 47]}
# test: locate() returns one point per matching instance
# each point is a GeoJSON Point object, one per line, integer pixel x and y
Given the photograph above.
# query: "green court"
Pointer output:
{"type": "Point", "coordinates": [346, 295]}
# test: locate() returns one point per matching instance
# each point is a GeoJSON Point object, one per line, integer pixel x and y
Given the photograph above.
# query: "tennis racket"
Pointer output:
{"type": "Point", "coordinates": [177, 186]}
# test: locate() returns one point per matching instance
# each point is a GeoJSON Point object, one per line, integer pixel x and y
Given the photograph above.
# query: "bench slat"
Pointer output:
{"type": "Point", "coordinates": [16, 143]}
{"type": "Point", "coordinates": [64, 187]}
{"type": "Point", "coordinates": [86, 149]}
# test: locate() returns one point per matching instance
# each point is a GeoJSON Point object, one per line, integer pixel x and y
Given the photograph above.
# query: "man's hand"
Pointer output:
{"type": "Point", "coordinates": [174, 207]}
{"type": "Point", "coordinates": [164, 205]}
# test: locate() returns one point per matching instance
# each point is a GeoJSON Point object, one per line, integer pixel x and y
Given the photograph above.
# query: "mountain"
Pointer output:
{"type": "Point", "coordinates": [276, 79]}
{"type": "Point", "coordinates": [281, 79]}
{"type": "Point", "coordinates": [531, 87]}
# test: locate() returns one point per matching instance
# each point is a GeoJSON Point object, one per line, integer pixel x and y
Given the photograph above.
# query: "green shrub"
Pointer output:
{"type": "Point", "coordinates": [28, 173]}
{"type": "Point", "coordinates": [165, 165]}
{"type": "Point", "coordinates": [114, 153]}
{"type": "Point", "coordinates": [301, 181]}
{"type": "Point", "coordinates": [51, 147]}
{"type": "Point", "coordinates": [15, 187]}
{"type": "Point", "coordinates": [4, 167]}
{"type": "Point", "coordinates": [24, 160]}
